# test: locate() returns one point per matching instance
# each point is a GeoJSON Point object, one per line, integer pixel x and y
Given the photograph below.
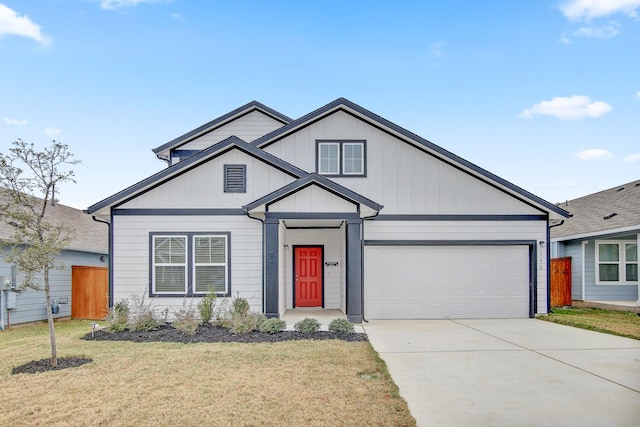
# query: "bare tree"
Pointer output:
{"type": "Point", "coordinates": [29, 179]}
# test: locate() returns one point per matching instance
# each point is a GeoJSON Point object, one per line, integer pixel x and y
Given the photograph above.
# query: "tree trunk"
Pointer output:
{"type": "Point", "coordinates": [52, 333]}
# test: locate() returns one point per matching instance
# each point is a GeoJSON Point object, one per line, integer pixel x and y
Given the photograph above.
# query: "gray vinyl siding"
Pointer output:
{"type": "Point", "coordinates": [203, 187]}
{"type": "Point", "coordinates": [248, 128]}
{"type": "Point", "coordinates": [468, 231]}
{"type": "Point", "coordinates": [400, 177]}
{"type": "Point", "coordinates": [313, 199]}
{"type": "Point", "coordinates": [597, 292]}
{"type": "Point", "coordinates": [131, 254]}
{"type": "Point", "coordinates": [31, 303]}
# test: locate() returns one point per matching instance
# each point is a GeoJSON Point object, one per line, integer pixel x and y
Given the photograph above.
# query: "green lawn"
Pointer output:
{"type": "Point", "coordinates": [310, 383]}
{"type": "Point", "coordinates": [625, 324]}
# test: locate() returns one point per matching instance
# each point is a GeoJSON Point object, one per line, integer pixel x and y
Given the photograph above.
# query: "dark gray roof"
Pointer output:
{"type": "Point", "coordinates": [323, 182]}
{"type": "Point", "coordinates": [611, 209]}
{"type": "Point", "coordinates": [90, 236]}
{"type": "Point", "coordinates": [193, 161]}
{"type": "Point", "coordinates": [383, 124]}
{"type": "Point", "coordinates": [213, 124]}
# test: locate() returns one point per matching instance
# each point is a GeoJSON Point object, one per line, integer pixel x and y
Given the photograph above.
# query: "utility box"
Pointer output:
{"type": "Point", "coordinates": [6, 284]}
{"type": "Point", "coordinates": [12, 300]}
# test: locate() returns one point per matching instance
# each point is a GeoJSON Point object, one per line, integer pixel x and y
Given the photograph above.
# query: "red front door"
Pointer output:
{"type": "Point", "coordinates": [308, 276]}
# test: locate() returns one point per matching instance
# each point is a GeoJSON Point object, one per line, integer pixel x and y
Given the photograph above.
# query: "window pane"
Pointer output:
{"type": "Point", "coordinates": [207, 276]}
{"type": "Point", "coordinates": [609, 252]}
{"type": "Point", "coordinates": [353, 158]}
{"type": "Point", "coordinates": [631, 252]}
{"type": "Point", "coordinates": [609, 273]}
{"type": "Point", "coordinates": [328, 158]}
{"type": "Point", "coordinates": [170, 279]}
{"type": "Point", "coordinates": [632, 272]}
{"type": "Point", "coordinates": [210, 250]}
{"type": "Point", "coordinates": [170, 250]}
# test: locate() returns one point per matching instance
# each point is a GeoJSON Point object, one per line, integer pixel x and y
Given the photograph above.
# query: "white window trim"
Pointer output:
{"type": "Point", "coordinates": [621, 262]}
{"type": "Point", "coordinates": [344, 146]}
{"type": "Point", "coordinates": [225, 264]}
{"type": "Point", "coordinates": [164, 264]}
{"type": "Point", "coordinates": [338, 160]}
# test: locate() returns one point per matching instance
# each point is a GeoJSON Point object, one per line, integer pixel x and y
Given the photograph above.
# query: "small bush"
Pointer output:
{"type": "Point", "coordinates": [185, 318]}
{"type": "Point", "coordinates": [240, 306]}
{"type": "Point", "coordinates": [142, 316]}
{"type": "Point", "coordinates": [272, 326]}
{"type": "Point", "coordinates": [341, 326]}
{"type": "Point", "coordinates": [307, 325]}
{"type": "Point", "coordinates": [260, 319]}
{"type": "Point", "coordinates": [206, 305]}
{"type": "Point", "coordinates": [118, 317]}
{"type": "Point", "coordinates": [242, 324]}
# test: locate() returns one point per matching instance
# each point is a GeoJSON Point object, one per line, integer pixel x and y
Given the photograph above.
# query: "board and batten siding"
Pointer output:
{"type": "Point", "coordinates": [30, 304]}
{"type": "Point", "coordinates": [313, 199]}
{"type": "Point", "coordinates": [203, 187]}
{"type": "Point", "coordinates": [477, 231]}
{"type": "Point", "coordinates": [399, 176]}
{"type": "Point", "coordinates": [131, 254]}
{"type": "Point", "coordinates": [333, 241]}
{"type": "Point", "coordinates": [248, 128]}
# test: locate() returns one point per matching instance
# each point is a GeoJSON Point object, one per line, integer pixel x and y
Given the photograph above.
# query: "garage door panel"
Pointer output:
{"type": "Point", "coordinates": [432, 282]}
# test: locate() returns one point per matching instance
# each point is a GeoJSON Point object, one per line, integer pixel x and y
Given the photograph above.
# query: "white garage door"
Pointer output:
{"type": "Point", "coordinates": [439, 282]}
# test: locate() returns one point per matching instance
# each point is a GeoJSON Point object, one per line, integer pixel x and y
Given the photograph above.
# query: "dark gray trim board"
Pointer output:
{"type": "Point", "coordinates": [473, 217]}
{"type": "Point", "coordinates": [179, 212]}
{"type": "Point", "coordinates": [215, 123]}
{"type": "Point", "coordinates": [341, 104]}
{"type": "Point", "coordinates": [196, 160]}
{"type": "Point", "coordinates": [190, 262]}
{"type": "Point", "coordinates": [311, 215]}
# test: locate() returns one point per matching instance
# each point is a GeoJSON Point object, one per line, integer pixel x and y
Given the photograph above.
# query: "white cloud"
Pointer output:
{"type": "Point", "coordinates": [52, 131]}
{"type": "Point", "coordinates": [604, 32]}
{"type": "Point", "coordinates": [121, 4]}
{"type": "Point", "coordinates": [577, 10]}
{"type": "Point", "coordinates": [638, 94]}
{"type": "Point", "coordinates": [12, 23]}
{"type": "Point", "coordinates": [564, 39]}
{"type": "Point", "coordinates": [568, 107]}
{"type": "Point", "coordinates": [594, 154]}
{"type": "Point", "coordinates": [632, 158]}
{"type": "Point", "coordinates": [15, 122]}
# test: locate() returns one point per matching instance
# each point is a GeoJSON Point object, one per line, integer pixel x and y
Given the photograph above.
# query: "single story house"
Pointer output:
{"type": "Point", "coordinates": [602, 239]}
{"type": "Point", "coordinates": [89, 248]}
{"type": "Point", "coordinates": [338, 209]}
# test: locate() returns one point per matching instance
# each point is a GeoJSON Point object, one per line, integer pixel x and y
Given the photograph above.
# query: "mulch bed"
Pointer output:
{"type": "Point", "coordinates": [44, 365]}
{"type": "Point", "coordinates": [212, 334]}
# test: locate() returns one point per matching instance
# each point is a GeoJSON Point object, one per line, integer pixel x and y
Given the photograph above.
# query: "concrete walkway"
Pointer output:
{"type": "Point", "coordinates": [521, 372]}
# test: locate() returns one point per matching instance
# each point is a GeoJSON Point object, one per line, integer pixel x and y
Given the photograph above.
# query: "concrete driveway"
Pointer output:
{"type": "Point", "coordinates": [521, 372]}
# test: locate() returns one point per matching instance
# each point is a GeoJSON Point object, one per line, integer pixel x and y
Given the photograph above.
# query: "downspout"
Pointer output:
{"type": "Point", "coordinates": [549, 227]}
{"type": "Point", "coordinates": [584, 270]}
{"type": "Point", "coordinates": [362, 264]}
{"type": "Point", "coordinates": [109, 256]}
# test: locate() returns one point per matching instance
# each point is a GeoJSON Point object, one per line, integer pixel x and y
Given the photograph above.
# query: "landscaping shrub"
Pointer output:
{"type": "Point", "coordinates": [118, 317]}
{"type": "Point", "coordinates": [242, 323]}
{"type": "Point", "coordinates": [260, 319]}
{"type": "Point", "coordinates": [341, 326]}
{"type": "Point", "coordinates": [307, 325]}
{"type": "Point", "coordinates": [272, 326]}
{"type": "Point", "coordinates": [206, 305]}
{"type": "Point", "coordinates": [142, 316]}
{"type": "Point", "coordinates": [185, 318]}
{"type": "Point", "coordinates": [240, 306]}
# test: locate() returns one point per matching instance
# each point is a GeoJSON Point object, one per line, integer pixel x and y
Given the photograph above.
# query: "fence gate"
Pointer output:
{"type": "Point", "coordinates": [89, 292]}
{"type": "Point", "coordinates": [560, 281]}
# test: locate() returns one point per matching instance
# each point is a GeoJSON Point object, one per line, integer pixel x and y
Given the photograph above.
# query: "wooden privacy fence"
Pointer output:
{"type": "Point", "coordinates": [89, 292]}
{"type": "Point", "coordinates": [560, 281]}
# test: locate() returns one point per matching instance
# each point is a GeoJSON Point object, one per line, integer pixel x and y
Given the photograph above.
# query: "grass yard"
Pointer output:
{"type": "Point", "coordinates": [293, 383]}
{"type": "Point", "coordinates": [621, 323]}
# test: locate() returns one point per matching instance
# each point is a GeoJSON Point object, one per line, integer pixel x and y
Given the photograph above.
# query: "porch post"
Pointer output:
{"type": "Point", "coordinates": [638, 260]}
{"type": "Point", "coordinates": [354, 271]}
{"type": "Point", "coordinates": [271, 300]}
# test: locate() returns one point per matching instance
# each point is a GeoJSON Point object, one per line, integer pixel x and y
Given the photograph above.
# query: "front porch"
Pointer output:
{"type": "Point", "coordinates": [324, 316]}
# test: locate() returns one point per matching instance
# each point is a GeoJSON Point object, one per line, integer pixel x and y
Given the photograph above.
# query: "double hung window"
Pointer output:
{"type": "Point", "coordinates": [617, 262]}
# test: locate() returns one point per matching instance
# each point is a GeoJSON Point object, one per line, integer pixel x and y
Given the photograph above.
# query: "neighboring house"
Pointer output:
{"type": "Point", "coordinates": [89, 247]}
{"type": "Point", "coordinates": [339, 209]}
{"type": "Point", "coordinates": [602, 239]}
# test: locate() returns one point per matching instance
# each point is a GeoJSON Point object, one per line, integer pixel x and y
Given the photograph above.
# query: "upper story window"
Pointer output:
{"type": "Point", "coordinates": [617, 263]}
{"type": "Point", "coordinates": [341, 157]}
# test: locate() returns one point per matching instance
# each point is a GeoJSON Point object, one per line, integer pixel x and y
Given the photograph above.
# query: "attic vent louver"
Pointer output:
{"type": "Point", "coordinates": [235, 178]}
{"type": "Point", "coordinates": [620, 189]}
{"type": "Point", "coordinates": [611, 215]}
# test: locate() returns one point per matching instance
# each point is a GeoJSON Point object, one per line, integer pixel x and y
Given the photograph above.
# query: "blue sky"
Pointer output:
{"type": "Point", "coordinates": [545, 94]}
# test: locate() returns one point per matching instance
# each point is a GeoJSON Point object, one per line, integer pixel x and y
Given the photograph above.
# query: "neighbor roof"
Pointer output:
{"type": "Point", "coordinates": [90, 236]}
{"type": "Point", "coordinates": [616, 208]}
